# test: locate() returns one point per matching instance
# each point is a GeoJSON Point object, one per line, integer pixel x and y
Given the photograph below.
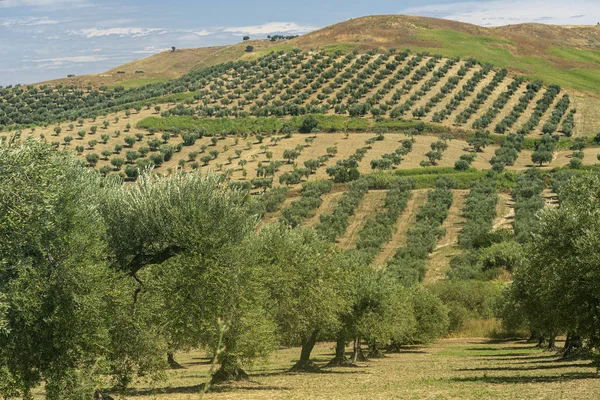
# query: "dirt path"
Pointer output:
{"type": "Point", "coordinates": [505, 211]}
{"type": "Point", "coordinates": [439, 261]}
{"type": "Point", "coordinates": [390, 94]}
{"type": "Point", "coordinates": [551, 198]}
{"type": "Point", "coordinates": [508, 107]}
{"type": "Point", "coordinates": [537, 132]}
{"type": "Point", "coordinates": [435, 89]}
{"type": "Point", "coordinates": [466, 102]}
{"type": "Point", "coordinates": [501, 88]}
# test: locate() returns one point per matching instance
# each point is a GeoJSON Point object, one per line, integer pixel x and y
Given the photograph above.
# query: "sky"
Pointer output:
{"type": "Point", "coordinates": [47, 39]}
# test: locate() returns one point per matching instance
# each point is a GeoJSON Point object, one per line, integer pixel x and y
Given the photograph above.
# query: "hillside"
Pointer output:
{"type": "Point", "coordinates": [566, 55]}
{"type": "Point", "coordinates": [380, 113]}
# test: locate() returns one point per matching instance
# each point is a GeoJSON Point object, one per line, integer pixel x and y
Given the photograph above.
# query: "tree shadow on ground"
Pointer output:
{"type": "Point", "coordinates": [410, 352]}
{"type": "Point", "coordinates": [321, 370]}
{"type": "Point", "coordinates": [570, 376]}
{"type": "Point", "coordinates": [501, 341]}
{"type": "Point", "coordinates": [509, 356]}
{"type": "Point", "coordinates": [500, 348]}
{"type": "Point", "coordinates": [531, 368]}
{"type": "Point", "coordinates": [554, 359]}
{"type": "Point", "coordinates": [196, 389]}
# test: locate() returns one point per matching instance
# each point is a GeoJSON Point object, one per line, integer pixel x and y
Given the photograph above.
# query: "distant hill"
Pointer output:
{"type": "Point", "coordinates": [565, 55]}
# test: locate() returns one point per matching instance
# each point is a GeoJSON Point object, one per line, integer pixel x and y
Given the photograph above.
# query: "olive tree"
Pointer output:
{"type": "Point", "coordinates": [60, 300]}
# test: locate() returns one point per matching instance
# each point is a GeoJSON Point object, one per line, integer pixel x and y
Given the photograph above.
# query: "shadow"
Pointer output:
{"type": "Point", "coordinates": [506, 355]}
{"type": "Point", "coordinates": [501, 348]}
{"type": "Point", "coordinates": [510, 357]}
{"type": "Point", "coordinates": [321, 370]}
{"type": "Point", "coordinates": [196, 389]}
{"type": "Point", "coordinates": [500, 341]}
{"type": "Point", "coordinates": [529, 379]}
{"type": "Point", "coordinates": [558, 360]}
{"type": "Point", "coordinates": [189, 364]}
{"type": "Point", "coordinates": [531, 368]}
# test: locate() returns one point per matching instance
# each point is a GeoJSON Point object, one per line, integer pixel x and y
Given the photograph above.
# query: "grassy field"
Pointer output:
{"type": "Point", "coordinates": [498, 52]}
{"type": "Point", "coordinates": [460, 368]}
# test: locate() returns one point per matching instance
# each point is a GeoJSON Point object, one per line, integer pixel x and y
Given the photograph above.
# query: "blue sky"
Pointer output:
{"type": "Point", "coordinates": [45, 39]}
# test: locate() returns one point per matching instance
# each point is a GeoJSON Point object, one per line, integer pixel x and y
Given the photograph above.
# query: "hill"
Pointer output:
{"type": "Point", "coordinates": [566, 55]}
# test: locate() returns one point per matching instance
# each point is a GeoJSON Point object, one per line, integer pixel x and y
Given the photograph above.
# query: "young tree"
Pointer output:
{"type": "Point", "coordinates": [117, 162]}
{"type": "Point", "coordinates": [92, 159]}
{"type": "Point", "coordinates": [130, 140]}
{"type": "Point", "coordinates": [433, 157]}
{"type": "Point", "coordinates": [478, 140]}
{"type": "Point", "coordinates": [290, 155]}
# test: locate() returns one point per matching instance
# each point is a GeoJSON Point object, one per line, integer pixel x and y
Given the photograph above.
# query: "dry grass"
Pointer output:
{"type": "Point", "coordinates": [254, 155]}
{"type": "Point", "coordinates": [458, 368]}
{"type": "Point", "coordinates": [505, 212]}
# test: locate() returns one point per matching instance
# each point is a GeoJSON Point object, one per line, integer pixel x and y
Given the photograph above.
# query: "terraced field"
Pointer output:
{"type": "Point", "coordinates": [295, 118]}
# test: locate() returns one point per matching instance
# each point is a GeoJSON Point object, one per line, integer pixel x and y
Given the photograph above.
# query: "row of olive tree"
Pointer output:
{"type": "Point", "coordinates": [102, 283]}
{"type": "Point", "coordinates": [555, 289]}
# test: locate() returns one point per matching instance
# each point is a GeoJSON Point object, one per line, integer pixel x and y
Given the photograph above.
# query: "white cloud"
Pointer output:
{"type": "Point", "coordinates": [270, 27]}
{"type": "Point", "coordinates": [505, 12]}
{"type": "Point", "coordinates": [58, 61]}
{"type": "Point", "coordinates": [151, 50]}
{"type": "Point", "coordinates": [127, 31]}
{"type": "Point", "coordinates": [204, 32]}
{"type": "Point", "coordinates": [39, 3]}
{"type": "Point", "coordinates": [27, 21]}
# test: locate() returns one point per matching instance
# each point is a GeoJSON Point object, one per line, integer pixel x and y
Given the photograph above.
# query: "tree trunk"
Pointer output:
{"type": "Point", "coordinates": [394, 347]}
{"type": "Point", "coordinates": [573, 346]}
{"type": "Point", "coordinates": [340, 359]}
{"type": "Point", "coordinates": [541, 341]}
{"type": "Point", "coordinates": [358, 354]}
{"type": "Point", "coordinates": [98, 395]}
{"type": "Point", "coordinates": [552, 343]}
{"type": "Point", "coordinates": [230, 370]}
{"type": "Point", "coordinates": [534, 336]}
{"type": "Point", "coordinates": [172, 363]}
{"type": "Point", "coordinates": [304, 364]}
{"type": "Point", "coordinates": [374, 351]}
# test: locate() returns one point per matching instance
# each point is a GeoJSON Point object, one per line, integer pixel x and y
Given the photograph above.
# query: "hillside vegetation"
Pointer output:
{"type": "Point", "coordinates": [281, 203]}
{"type": "Point", "coordinates": [557, 54]}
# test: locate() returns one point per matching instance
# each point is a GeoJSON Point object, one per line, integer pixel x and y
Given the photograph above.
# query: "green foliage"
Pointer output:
{"type": "Point", "coordinates": [528, 200]}
{"type": "Point", "coordinates": [468, 300]}
{"type": "Point", "coordinates": [64, 299]}
{"type": "Point", "coordinates": [479, 212]}
{"type": "Point", "coordinates": [379, 230]}
{"type": "Point", "coordinates": [309, 201]}
{"type": "Point", "coordinates": [331, 225]}
{"type": "Point", "coordinates": [555, 289]}
{"type": "Point", "coordinates": [408, 264]}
